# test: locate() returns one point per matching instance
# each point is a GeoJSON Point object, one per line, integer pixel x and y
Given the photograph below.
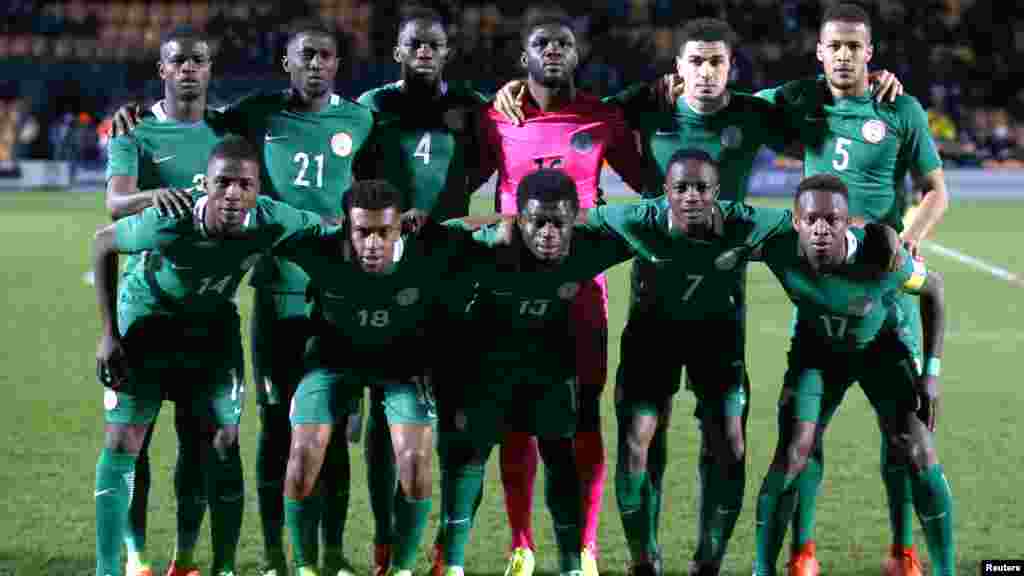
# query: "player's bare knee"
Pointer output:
{"type": "Point", "coordinates": [921, 448]}
{"type": "Point", "coordinates": [638, 441]}
{"type": "Point", "coordinates": [125, 438]}
{"type": "Point", "coordinates": [304, 460]}
{"type": "Point", "coordinates": [734, 441]}
{"type": "Point", "coordinates": [799, 449]}
{"type": "Point", "coordinates": [414, 472]}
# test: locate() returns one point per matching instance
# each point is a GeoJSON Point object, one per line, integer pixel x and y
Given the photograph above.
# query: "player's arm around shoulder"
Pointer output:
{"type": "Point", "coordinates": [925, 168]}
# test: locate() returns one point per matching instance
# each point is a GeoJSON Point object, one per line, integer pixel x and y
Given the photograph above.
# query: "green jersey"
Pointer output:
{"type": "Point", "coordinates": [846, 310]}
{"type": "Point", "coordinates": [523, 307]}
{"type": "Point", "coordinates": [164, 153]}
{"type": "Point", "coordinates": [732, 136]}
{"type": "Point", "coordinates": [428, 149]}
{"type": "Point", "coordinates": [186, 272]}
{"type": "Point", "coordinates": [870, 145]}
{"type": "Point", "coordinates": [681, 278]}
{"type": "Point", "coordinates": [307, 161]}
{"type": "Point", "coordinates": [379, 321]}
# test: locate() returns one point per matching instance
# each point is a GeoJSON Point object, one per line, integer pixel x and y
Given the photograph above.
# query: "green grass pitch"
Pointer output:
{"type": "Point", "coordinates": [51, 417]}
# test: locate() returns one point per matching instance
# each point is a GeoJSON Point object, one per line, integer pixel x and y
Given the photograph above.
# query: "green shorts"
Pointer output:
{"type": "Point", "coordinates": [512, 401]}
{"type": "Point", "coordinates": [279, 332]}
{"type": "Point", "coordinates": [205, 369]}
{"type": "Point", "coordinates": [651, 364]}
{"type": "Point", "coordinates": [403, 401]}
{"type": "Point", "coordinates": [817, 378]}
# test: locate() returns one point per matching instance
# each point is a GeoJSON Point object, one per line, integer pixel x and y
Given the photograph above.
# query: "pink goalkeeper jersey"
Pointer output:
{"type": "Point", "coordinates": [577, 139]}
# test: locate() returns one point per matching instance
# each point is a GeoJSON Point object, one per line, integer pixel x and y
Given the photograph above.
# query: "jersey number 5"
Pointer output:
{"type": "Point", "coordinates": [302, 159]}
{"type": "Point", "coordinates": [843, 159]}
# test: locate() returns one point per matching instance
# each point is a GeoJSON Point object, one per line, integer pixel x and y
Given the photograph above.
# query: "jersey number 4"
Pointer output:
{"type": "Point", "coordinates": [423, 149]}
{"type": "Point", "coordinates": [302, 159]}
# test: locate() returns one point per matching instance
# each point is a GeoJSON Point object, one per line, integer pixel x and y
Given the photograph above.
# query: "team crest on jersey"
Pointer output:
{"type": "Point", "coordinates": [873, 131]}
{"type": "Point", "coordinates": [732, 137]}
{"type": "Point", "coordinates": [568, 290]}
{"type": "Point", "coordinates": [250, 262]}
{"type": "Point", "coordinates": [341, 144]}
{"type": "Point", "coordinates": [860, 306]}
{"type": "Point", "coordinates": [728, 260]}
{"type": "Point", "coordinates": [408, 296]}
{"type": "Point", "coordinates": [582, 142]}
{"type": "Point", "coordinates": [109, 399]}
{"type": "Point", "coordinates": [455, 120]}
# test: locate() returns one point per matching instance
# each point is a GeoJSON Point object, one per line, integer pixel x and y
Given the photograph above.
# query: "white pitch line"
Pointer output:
{"type": "Point", "coordinates": [973, 262]}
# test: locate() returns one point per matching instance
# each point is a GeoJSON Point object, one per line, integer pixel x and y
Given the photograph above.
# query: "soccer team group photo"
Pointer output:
{"type": "Point", "coordinates": [372, 320]}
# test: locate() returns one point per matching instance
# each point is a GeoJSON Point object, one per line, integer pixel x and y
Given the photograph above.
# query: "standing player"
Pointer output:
{"type": "Point", "coordinates": [180, 293]}
{"type": "Point", "coordinates": [151, 167]}
{"type": "Point", "coordinates": [842, 298]}
{"type": "Point", "coordinates": [692, 247]}
{"type": "Point", "coordinates": [528, 288]}
{"type": "Point", "coordinates": [871, 147]}
{"type": "Point", "coordinates": [426, 146]}
{"type": "Point", "coordinates": [567, 129]}
{"type": "Point", "coordinates": [309, 138]}
{"type": "Point", "coordinates": [377, 293]}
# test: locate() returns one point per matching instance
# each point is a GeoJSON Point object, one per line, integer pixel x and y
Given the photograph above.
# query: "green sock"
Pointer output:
{"type": "Point", "coordinates": [933, 502]}
{"type": "Point", "coordinates": [381, 474]}
{"type": "Point", "coordinates": [115, 473]}
{"type": "Point", "coordinates": [775, 504]}
{"type": "Point", "coordinates": [631, 491]}
{"type": "Point", "coordinates": [721, 503]}
{"type": "Point", "coordinates": [302, 518]}
{"type": "Point", "coordinates": [337, 473]}
{"type": "Point", "coordinates": [462, 485]}
{"type": "Point", "coordinates": [657, 462]}
{"type": "Point", "coordinates": [562, 494]}
{"type": "Point", "coordinates": [271, 461]}
{"type": "Point", "coordinates": [896, 478]}
{"type": "Point", "coordinates": [135, 530]}
{"type": "Point", "coordinates": [806, 485]}
{"type": "Point", "coordinates": [189, 491]}
{"type": "Point", "coordinates": [411, 517]}
{"type": "Point", "coordinates": [227, 505]}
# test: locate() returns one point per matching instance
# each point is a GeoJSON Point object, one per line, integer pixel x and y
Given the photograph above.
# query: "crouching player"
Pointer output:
{"type": "Point", "coordinates": [175, 323]}
{"type": "Point", "coordinates": [376, 293]}
{"type": "Point", "coordinates": [840, 295]}
{"type": "Point", "coordinates": [525, 380]}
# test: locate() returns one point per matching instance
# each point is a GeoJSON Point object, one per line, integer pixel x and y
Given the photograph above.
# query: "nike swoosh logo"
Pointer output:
{"type": "Point", "coordinates": [269, 138]}
{"type": "Point", "coordinates": [501, 292]}
{"type": "Point", "coordinates": [334, 295]}
{"type": "Point", "coordinates": [657, 260]}
{"type": "Point", "coordinates": [99, 493]}
{"type": "Point", "coordinates": [163, 159]}
{"type": "Point", "coordinates": [665, 133]}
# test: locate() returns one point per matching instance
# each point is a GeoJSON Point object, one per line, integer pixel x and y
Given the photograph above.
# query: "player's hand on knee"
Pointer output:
{"type": "Point", "coordinates": [413, 220]}
{"type": "Point", "coordinates": [667, 91]}
{"type": "Point", "coordinates": [509, 101]}
{"type": "Point", "coordinates": [125, 119]}
{"type": "Point", "coordinates": [172, 202]}
{"type": "Point", "coordinates": [887, 85]}
{"type": "Point", "coordinates": [110, 362]}
{"type": "Point", "coordinates": [928, 400]}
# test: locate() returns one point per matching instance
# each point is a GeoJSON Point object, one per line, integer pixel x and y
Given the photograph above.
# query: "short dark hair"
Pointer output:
{"type": "Point", "coordinates": [547, 185]}
{"type": "Point", "coordinates": [709, 30]}
{"type": "Point", "coordinates": [546, 18]}
{"type": "Point", "coordinates": [183, 32]}
{"type": "Point", "coordinates": [235, 147]}
{"type": "Point", "coordinates": [680, 156]}
{"type": "Point", "coordinates": [311, 28]}
{"type": "Point", "coordinates": [421, 12]}
{"type": "Point", "coordinates": [373, 195]}
{"type": "Point", "coordinates": [825, 182]}
{"type": "Point", "coordinates": [849, 13]}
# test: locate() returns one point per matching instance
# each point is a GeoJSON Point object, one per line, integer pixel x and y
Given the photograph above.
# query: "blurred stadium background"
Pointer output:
{"type": "Point", "coordinates": [66, 65]}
